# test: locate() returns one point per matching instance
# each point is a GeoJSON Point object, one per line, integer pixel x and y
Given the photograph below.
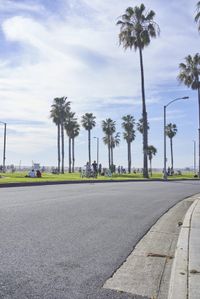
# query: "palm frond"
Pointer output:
{"type": "Point", "coordinates": [197, 17]}
{"type": "Point", "coordinates": [88, 121]}
{"type": "Point", "coordinates": [171, 130]}
{"type": "Point", "coordinates": [137, 27]}
{"type": "Point", "coordinates": [190, 71]}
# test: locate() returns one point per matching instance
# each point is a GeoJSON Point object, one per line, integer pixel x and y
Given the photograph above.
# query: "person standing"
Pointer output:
{"type": "Point", "coordinates": [94, 166]}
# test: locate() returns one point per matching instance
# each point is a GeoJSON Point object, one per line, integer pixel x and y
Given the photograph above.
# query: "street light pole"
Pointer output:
{"type": "Point", "coordinates": [194, 157]}
{"type": "Point", "coordinates": [97, 138]}
{"type": "Point", "coordinates": [165, 136]}
{"type": "Point", "coordinates": [4, 147]}
{"type": "Point", "coordinates": [165, 141]}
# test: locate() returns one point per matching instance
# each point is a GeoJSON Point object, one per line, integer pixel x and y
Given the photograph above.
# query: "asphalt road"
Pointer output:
{"type": "Point", "coordinates": [64, 241]}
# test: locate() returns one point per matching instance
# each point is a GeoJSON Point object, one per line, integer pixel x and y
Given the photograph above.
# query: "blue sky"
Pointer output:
{"type": "Point", "coordinates": [70, 48]}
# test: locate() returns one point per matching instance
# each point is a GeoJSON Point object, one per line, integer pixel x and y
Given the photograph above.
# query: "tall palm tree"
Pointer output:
{"type": "Point", "coordinates": [129, 135]}
{"type": "Point", "coordinates": [189, 75]}
{"type": "Point", "coordinates": [59, 109]}
{"type": "Point", "coordinates": [54, 114]}
{"type": "Point", "coordinates": [115, 141]}
{"type": "Point", "coordinates": [109, 128]}
{"type": "Point", "coordinates": [171, 130]}
{"type": "Point", "coordinates": [151, 151]}
{"type": "Point", "coordinates": [197, 17]}
{"type": "Point", "coordinates": [69, 127]}
{"type": "Point", "coordinates": [137, 29]}
{"type": "Point", "coordinates": [75, 133]}
{"type": "Point", "coordinates": [88, 123]}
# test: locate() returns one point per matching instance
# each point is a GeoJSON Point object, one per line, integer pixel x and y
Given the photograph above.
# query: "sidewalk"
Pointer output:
{"type": "Point", "coordinates": [165, 264]}
{"type": "Point", "coordinates": [185, 277]}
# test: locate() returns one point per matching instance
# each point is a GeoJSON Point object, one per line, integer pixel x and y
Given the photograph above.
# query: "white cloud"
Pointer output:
{"type": "Point", "coordinates": [13, 5]}
{"type": "Point", "coordinates": [79, 57]}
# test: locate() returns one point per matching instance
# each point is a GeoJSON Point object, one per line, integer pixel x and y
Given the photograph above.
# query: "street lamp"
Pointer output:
{"type": "Point", "coordinates": [97, 138]}
{"type": "Point", "coordinates": [194, 152]}
{"type": "Point", "coordinates": [165, 158]}
{"type": "Point", "coordinates": [4, 147]}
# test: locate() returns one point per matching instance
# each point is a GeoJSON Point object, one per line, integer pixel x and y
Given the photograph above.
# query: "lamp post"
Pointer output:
{"type": "Point", "coordinates": [4, 147]}
{"type": "Point", "coordinates": [165, 158]}
{"type": "Point", "coordinates": [194, 152]}
{"type": "Point", "coordinates": [97, 138]}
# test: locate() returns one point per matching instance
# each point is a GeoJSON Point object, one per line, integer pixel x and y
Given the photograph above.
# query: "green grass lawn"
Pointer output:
{"type": "Point", "coordinates": [19, 177]}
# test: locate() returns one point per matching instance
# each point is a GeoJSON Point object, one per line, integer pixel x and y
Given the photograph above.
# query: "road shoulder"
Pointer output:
{"type": "Point", "coordinates": [147, 270]}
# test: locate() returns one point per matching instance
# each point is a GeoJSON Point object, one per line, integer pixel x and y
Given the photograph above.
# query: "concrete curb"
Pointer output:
{"type": "Point", "coordinates": [27, 184]}
{"type": "Point", "coordinates": [182, 283]}
{"type": "Point", "coordinates": [147, 270]}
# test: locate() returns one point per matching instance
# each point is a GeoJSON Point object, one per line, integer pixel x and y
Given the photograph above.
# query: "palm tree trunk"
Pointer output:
{"type": "Point", "coordinates": [73, 155]}
{"type": "Point", "coordinates": [111, 152]}
{"type": "Point", "coordinates": [58, 145]}
{"type": "Point", "coordinates": [129, 157]}
{"type": "Point", "coordinates": [172, 159]}
{"type": "Point", "coordinates": [70, 160]}
{"type": "Point", "coordinates": [62, 145]}
{"type": "Point", "coordinates": [89, 146]}
{"type": "Point", "coordinates": [144, 116]}
{"type": "Point", "coordinates": [150, 162]}
{"type": "Point", "coordinates": [199, 126]}
{"type": "Point", "coordinates": [108, 155]}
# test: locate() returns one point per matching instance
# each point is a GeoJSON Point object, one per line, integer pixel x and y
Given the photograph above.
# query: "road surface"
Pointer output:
{"type": "Point", "coordinates": [65, 241]}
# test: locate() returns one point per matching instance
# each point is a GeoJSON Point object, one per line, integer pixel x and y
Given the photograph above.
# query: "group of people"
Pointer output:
{"type": "Point", "coordinates": [170, 171]}
{"type": "Point", "coordinates": [93, 168]}
{"type": "Point", "coordinates": [34, 174]}
{"type": "Point", "coordinates": [121, 169]}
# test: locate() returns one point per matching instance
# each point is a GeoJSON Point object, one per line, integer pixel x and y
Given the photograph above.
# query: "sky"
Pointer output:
{"type": "Point", "coordinates": [71, 48]}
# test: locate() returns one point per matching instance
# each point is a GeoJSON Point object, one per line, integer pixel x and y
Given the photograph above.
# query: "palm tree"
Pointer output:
{"type": "Point", "coordinates": [171, 130]}
{"type": "Point", "coordinates": [60, 108]}
{"type": "Point", "coordinates": [54, 114]}
{"type": "Point", "coordinates": [109, 128]}
{"type": "Point", "coordinates": [75, 133]}
{"type": "Point", "coordinates": [69, 127]}
{"type": "Point", "coordinates": [107, 141]}
{"type": "Point", "coordinates": [151, 151]}
{"type": "Point", "coordinates": [189, 75]}
{"type": "Point", "coordinates": [129, 135]}
{"type": "Point", "coordinates": [137, 29]}
{"type": "Point", "coordinates": [197, 17]}
{"type": "Point", "coordinates": [88, 123]}
{"type": "Point", "coordinates": [114, 141]}
{"type": "Point", "coordinates": [140, 126]}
